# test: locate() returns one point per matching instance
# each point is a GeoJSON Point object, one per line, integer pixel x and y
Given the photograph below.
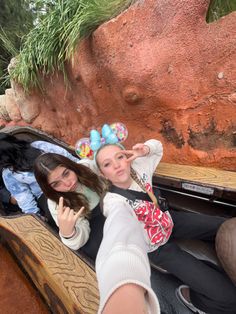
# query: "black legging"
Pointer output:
{"type": "Point", "coordinates": [211, 290]}
{"type": "Point", "coordinates": [96, 223]}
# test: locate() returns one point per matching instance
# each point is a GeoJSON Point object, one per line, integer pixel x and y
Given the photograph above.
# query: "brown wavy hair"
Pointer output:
{"type": "Point", "coordinates": [47, 162]}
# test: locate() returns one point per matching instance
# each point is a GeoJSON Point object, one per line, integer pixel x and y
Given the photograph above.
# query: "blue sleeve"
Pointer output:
{"type": "Point", "coordinates": [52, 148]}
{"type": "Point", "coordinates": [21, 192]}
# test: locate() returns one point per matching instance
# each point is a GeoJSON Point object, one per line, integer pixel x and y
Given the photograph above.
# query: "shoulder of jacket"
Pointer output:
{"type": "Point", "coordinates": [38, 142]}
{"type": "Point", "coordinates": [7, 173]}
{"type": "Point", "coordinates": [111, 197]}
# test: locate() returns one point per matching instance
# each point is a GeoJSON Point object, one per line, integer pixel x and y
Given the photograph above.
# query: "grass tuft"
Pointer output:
{"type": "Point", "coordinates": [52, 42]}
{"type": "Point", "coordinates": [219, 8]}
{"type": "Point", "coordinates": [46, 48]}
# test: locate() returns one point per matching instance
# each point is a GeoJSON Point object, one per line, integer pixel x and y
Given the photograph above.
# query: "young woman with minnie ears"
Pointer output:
{"type": "Point", "coordinates": [208, 290]}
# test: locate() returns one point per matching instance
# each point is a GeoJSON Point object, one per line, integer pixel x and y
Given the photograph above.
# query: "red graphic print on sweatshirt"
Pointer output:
{"type": "Point", "coordinates": [158, 224]}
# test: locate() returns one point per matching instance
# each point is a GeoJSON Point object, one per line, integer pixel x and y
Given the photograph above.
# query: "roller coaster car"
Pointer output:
{"type": "Point", "coordinates": [67, 280]}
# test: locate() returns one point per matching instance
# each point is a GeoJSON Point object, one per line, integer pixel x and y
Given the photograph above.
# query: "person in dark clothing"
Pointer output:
{"type": "Point", "coordinates": [8, 203]}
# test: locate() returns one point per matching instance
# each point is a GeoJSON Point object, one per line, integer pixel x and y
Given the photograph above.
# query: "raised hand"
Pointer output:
{"type": "Point", "coordinates": [138, 150]}
{"type": "Point", "coordinates": [67, 218]}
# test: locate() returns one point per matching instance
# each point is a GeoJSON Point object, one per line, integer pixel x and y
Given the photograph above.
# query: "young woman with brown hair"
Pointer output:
{"type": "Point", "coordinates": [17, 159]}
{"type": "Point", "coordinates": [73, 191]}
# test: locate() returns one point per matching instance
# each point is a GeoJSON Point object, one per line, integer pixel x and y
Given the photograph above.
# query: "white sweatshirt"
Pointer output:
{"type": "Point", "coordinates": [144, 167]}
{"type": "Point", "coordinates": [122, 258]}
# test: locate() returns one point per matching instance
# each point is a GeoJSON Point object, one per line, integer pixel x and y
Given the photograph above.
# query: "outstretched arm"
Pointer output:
{"type": "Point", "coordinates": [122, 267]}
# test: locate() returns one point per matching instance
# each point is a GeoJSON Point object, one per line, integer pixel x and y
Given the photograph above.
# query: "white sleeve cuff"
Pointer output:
{"type": "Point", "coordinates": [71, 236]}
{"type": "Point", "coordinates": [125, 264]}
{"type": "Point", "coordinates": [155, 146]}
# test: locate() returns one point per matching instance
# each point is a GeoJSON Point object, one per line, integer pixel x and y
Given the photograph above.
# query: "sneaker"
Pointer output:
{"type": "Point", "coordinates": [182, 294]}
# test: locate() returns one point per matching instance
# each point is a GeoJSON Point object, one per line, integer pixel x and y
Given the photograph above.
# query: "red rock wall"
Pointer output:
{"type": "Point", "coordinates": [18, 295]}
{"type": "Point", "coordinates": [160, 69]}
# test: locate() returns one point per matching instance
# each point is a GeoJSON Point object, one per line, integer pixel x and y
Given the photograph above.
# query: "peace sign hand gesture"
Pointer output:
{"type": "Point", "coordinates": [138, 150]}
{"type": "Point", "coordinates": [67, 219]}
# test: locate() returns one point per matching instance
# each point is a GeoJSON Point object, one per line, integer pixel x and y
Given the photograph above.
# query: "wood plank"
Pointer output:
{"type": "Point", "coordinates": [67, 283]}
{"type": "Point", "coordinates": [203, 175]}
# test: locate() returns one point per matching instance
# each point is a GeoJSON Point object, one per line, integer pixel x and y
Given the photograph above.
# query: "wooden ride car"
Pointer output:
{"type": "Point", "coordinates": [66, 279]}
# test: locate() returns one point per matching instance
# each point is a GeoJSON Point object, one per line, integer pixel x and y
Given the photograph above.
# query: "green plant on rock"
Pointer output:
{"type": "Point", "coordinates": [53, 40]}
{"type": "Point", "coordinates": [219, 8]}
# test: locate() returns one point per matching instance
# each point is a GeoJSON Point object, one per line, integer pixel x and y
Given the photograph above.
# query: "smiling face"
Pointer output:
{"type": "Point", "coordinates": [62, 179]}
{"type": "Point", "coordinates": [113, 165]}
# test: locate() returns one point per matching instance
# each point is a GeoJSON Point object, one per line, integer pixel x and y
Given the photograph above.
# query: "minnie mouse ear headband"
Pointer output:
{"type": "Point", "coordinates": [114, 133]}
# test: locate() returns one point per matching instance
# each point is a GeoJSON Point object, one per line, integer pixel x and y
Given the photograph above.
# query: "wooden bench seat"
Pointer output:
{"type": "Point", "coordinates": [209, 181]}
{"type": "Point", "coordinates": [203, 175]}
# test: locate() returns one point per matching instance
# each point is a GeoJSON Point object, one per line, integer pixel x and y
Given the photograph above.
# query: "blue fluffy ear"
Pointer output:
{"type": "Point", "coordinates": [111, 139]}
{"type": "Point", "coordinates": [95, 140]}
{"type": "Point", "coordinates": [108, 134]}
{"type": "Point", "coordinates": [106, 130]}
